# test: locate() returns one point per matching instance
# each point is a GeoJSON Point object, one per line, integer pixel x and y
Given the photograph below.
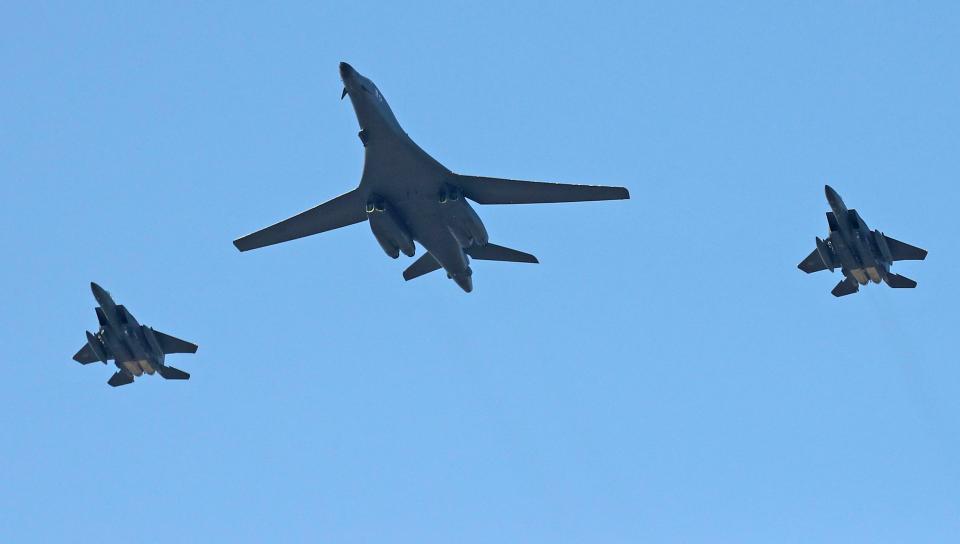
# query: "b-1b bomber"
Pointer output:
{"type": "Point", "coordinates": [863, 255]}
{"type": "Point", "coordinates": [135, 349]}
{"type": "Point", "coordinates": [407, 196]}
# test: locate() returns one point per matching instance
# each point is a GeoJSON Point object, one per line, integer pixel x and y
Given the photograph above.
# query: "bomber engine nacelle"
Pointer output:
{"type": "Point", "coordinates": [153, 343]}
{"type": "Point", "coordinates": [826, 255]}
{"type": "Point", "coordinates": [97, 347]}
{"type": "Point", "coordinates": [883, 246]}
{"type": "Point", "coordinates": [389, 231]}
{"type": "Point", "coordinates": [464, 223]}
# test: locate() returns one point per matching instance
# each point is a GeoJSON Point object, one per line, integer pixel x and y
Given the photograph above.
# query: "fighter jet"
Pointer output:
{"type": "Point", "coordinates": [133, 347]}
{"type": "Point", "coordinates": [407, 196]}
{"type": "Point", "coordinates": [861, 254]}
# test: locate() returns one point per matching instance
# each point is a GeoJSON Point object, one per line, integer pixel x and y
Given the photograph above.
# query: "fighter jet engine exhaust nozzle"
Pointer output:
{"type": "Point", "coordinates": [389, 230]}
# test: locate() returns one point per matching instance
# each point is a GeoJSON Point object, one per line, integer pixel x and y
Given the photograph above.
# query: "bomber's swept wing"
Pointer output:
{"type": "Point", "coordinates": [904, 252]}
{"type": "Point", "coordinates": [813, 263]}
{"type": "Point", "coordinates": [484, 190]}
{"type": "Point", "coordinates": [341, 211]}
{"type": "Point", "coordinates": [86, 355]}
{"type": "Point", "coordinates": [171, 344]}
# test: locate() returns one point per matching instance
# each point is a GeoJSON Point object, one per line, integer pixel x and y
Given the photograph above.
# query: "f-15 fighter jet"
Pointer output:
{"type": "Point", "coordinates": [862, 255]}
{"type": "Point", "coordinates": [408, 197]}
{"type": "Point", "coordinates": [134, 348]}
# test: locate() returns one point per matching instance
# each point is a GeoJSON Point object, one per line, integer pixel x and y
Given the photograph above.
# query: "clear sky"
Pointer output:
{"type": "Point", "coordinates": [666, 374]}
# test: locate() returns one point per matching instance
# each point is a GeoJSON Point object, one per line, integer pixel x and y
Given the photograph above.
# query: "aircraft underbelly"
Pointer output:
{"type": "Point", "coordinates": [874, 274]}
{"type": "Point", "coordinates": [429, 228]}
{"type": "Point", "coordinates": [138, 367]}
{"type": "Point", "coordinates": [860, 276]}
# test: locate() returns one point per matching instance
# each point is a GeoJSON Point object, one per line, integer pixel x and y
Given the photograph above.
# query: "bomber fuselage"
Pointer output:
{"type": "Point", "coordinates": [410, 200]}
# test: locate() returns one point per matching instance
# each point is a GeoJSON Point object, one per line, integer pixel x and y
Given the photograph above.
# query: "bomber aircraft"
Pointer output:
{"type": "Point", "coordinates": [134, 348]}
{"type": "Point", "coordinates": [861, 254]}
{"type": "Point", "coordinates": [407, 196]}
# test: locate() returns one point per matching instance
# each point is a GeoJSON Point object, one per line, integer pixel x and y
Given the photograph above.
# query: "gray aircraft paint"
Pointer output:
{"type": "Point", "coordinates": [862, 255]}
{"type": "Point", "coordinates": [134, 348]}
{"type": "Point", "coordinates": [407, 196]}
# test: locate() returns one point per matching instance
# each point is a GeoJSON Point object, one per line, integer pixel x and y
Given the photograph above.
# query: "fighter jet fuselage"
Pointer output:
{"type": "Point", "coordinates": [408, 196]}
{"type": "Point", "coordinates": [134, 348]}
{"type": "Point", "coordinates": [863, 255]}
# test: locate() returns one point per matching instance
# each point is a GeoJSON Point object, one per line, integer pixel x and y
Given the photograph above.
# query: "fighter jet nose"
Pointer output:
{"type": "Point", "coordinates": [346, 70]}
{"type": "Point", "coordinates": [95, 288]}
{"type": "Point", "coordinates": [832, 197]}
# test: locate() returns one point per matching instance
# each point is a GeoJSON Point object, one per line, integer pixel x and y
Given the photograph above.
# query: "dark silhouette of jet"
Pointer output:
{"type": "Point", "coordinates": [408, 197]}
{"type": "Point", "coordinates": [862, 255]}
{"type": "Point", "coordinates": [134, 348]}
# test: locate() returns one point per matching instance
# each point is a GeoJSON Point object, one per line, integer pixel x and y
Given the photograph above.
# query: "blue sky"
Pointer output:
{"type": "Point", "coordinates": [665, 375]}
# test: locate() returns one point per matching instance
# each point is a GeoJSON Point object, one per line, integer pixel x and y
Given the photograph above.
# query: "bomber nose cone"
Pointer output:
{"type": "Point", "coordinates": [346, 71]}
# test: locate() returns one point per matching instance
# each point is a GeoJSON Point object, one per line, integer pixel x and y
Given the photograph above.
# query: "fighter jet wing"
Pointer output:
{"type": "Point", "coordinates": [341, 211]}
{"type": "Point", "coordinates": [86, 355]}
{"type": "Point", "coordinates": [510, 191]}
{"type": "Point", "coordinates": [170, 344]}
{"type": "Point", "coordinates": [904, 252]}
{"type": "Point", "coordinates": [813, 263]}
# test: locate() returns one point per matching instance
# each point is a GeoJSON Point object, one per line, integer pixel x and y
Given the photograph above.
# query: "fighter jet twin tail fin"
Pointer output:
{"type": "Point", "coordinates": [490, 252]}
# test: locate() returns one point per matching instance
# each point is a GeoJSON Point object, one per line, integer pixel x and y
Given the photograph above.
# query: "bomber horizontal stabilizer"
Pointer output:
{"type": "Point", "coordinates": [424, 265]}
{"type": "Point", "coordinates": [170, 373]}
{"type": "Point", "coordinates": [171, 344]}
{"type": "Point", "coordinates": [484, 190]}
{"type": "Point", "coordinates": [900, 282]}
{"type": "Point", "coordinates": [846, 287]}
{"type": "Point", "coordinates": [341, 211]}
{"type": "Point", "coordinates": [122, 377]}
{"type": "Point", "coordinates": [493, 252]}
